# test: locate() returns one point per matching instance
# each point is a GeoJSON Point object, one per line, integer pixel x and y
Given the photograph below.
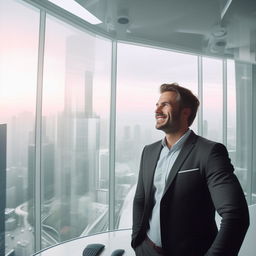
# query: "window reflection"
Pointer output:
{"type": "Point", "coordinates": [243, 76]}
{"type": "Point", "coordinates": [19, 29]}
{"type": "Point", "coordinates": [75, 133]}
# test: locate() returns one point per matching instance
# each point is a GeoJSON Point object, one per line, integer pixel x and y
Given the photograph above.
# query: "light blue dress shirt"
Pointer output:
{"type": "Point", "coordinates": [164, 165]}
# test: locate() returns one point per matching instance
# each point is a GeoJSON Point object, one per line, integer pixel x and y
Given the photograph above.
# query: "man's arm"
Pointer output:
{"type": "Point", "coordinates": [229, 201]}
{"type": "Point", "coordinates": [138, 202]}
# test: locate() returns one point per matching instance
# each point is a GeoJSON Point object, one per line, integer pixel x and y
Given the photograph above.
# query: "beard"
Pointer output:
{"type": "Point", "coordinates": [171, 122]}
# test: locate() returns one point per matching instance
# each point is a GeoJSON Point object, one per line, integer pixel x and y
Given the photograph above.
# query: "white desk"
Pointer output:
{"type": "Point", "coordinates": [120, 239]}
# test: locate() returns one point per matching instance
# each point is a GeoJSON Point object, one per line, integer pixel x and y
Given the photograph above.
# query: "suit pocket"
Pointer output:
{"type": "Point", "coordinates": [188, 182]}
{"type": "Point", "coordinates": [189, 170]}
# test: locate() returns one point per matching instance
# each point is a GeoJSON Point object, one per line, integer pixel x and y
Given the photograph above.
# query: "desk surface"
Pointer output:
{"type": "Point", "coordinates": [120, 239]}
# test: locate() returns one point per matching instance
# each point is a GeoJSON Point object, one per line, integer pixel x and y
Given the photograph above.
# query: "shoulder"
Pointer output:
{"type": "Point", "coordinates": [202, 140]}
{"type": "Point", "coordinates": [152, 148]}
{"type": "Point", "coordinates": [212, 154]}
{"type": "Point", "coordinates": [206, 145]}
{"type": "Point", "coordinates": [154, 144]}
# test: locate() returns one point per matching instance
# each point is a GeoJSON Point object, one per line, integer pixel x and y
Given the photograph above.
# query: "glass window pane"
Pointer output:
{"type": "Point", "coordinates": [212, 99]}
{"type": "Point", "coordinates": [243, 167]}
{"type": "Point", "coordinates": [231, 110]}
{"type": "Point", "coordinates": [19, 29]}
{"type": "Point", "coordinates": [140, 72]}
{"type": "Point", "coordinates": [253, 169]}
{"type": "Point", "coordinates": [75, 150]}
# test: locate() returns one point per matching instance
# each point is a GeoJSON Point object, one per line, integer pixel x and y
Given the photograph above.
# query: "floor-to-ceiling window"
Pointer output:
{"type": "Point", "coordinates": [19, 30]}
{"type": "Point", "coordinates": [244, 78]}
{"type": "Point", "coordinates": [75, 133]}
{"type": "Point", "coordinates": [140, 72]}
{"type": "Point", "coordinates": [74, 158]}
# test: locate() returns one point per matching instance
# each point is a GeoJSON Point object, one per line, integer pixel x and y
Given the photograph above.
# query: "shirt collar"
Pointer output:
{"type": "Point", "coordinates": [179, 143]}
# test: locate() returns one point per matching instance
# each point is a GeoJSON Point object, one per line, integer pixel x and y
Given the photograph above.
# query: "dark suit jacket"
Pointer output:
{"type": "Point", "coordinates": [200, 182]}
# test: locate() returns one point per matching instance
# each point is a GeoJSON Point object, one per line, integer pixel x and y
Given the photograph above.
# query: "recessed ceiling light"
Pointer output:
{"type": "Point", "coordinates": [219, 32]}
{"type": "Point", "coordinates": [221, 43]}
{"type": "Point", "coordinates": [75, 8]}
{"type": "Point", "coordinates": [123, 20]}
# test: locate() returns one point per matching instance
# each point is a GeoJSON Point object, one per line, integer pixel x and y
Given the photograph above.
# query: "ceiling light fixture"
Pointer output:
{"type": "Point", "coordinates": [219, 31]}
{"type": "Point", "coordinates": [75, 8]}
{"type": "Point", "coordinates": [123, 16]}
{"type": "Point", "coordinates": [123, 20]}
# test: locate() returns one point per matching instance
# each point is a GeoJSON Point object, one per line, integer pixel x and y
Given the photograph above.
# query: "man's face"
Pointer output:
{"type": "Point", "coordinates": [167, 113]}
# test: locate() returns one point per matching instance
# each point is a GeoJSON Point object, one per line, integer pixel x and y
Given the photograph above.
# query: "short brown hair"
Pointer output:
{"type": "Point", "coordinates": [186, 98]}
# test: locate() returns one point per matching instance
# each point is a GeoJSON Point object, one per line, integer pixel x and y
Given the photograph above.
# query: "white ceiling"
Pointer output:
{"type": "Point", "coordinates": [183, 24]}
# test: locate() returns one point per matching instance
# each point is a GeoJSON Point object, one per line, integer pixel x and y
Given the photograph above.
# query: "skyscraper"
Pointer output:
{"type": "Point", "coordinates": [77, 148]}
{"type": "Point", "coordinates": [2, 186]}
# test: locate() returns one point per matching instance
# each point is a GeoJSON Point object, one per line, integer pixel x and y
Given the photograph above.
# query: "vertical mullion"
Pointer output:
{"type": "Point", "coordinates": [250, 159]}
{"type": "Point", "coordinates": [112, 140]}
{"type": "Point", "coordinates": [38, 132]}
{"type": "Point", "coordinates": [224, 82]}
{"type": "Point", "coordinates": [200, 94]}
{"type": "Point", "coordinates": [253, 161]}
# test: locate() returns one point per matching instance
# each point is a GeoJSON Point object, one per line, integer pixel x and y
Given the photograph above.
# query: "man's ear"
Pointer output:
{"type": "Point", "coordinates": [186, 112]}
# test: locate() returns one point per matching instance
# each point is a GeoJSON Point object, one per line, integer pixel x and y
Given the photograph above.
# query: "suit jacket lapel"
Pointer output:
{"type": "Point", "coordinates": [152, 162]}
{"type": "Point", "coordinates": [187, 147]}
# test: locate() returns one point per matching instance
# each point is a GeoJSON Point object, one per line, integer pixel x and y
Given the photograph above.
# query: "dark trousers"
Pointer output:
{"type": "Point", "coordinates": [145, 249]}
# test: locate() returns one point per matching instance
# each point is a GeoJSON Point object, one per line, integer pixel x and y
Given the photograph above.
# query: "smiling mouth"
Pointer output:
{"type": "Point", "coordinates": [161, 117]}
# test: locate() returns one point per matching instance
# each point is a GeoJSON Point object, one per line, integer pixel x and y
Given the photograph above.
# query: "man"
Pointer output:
{"type": "Point", "coordinates": [183, 179]}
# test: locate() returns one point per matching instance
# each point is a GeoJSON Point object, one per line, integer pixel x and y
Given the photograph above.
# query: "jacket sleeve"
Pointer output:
{"type": "Point", "coordinates": [138, 204]}
{"type": "Point", "coordinates": [229, 201]}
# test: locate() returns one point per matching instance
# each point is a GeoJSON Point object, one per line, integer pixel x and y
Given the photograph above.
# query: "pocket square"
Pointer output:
{"type": "Point", "coordinates": [189, 170]}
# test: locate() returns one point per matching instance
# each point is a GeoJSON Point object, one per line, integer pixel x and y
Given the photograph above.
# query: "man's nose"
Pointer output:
{"type": "Point", "coordinates": [158, 109]}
